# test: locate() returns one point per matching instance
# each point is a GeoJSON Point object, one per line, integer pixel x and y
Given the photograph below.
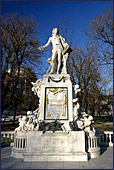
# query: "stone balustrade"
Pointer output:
{"type": "Point", "coordinates": [104, 138]}
{"type": "Point", "coordinates": [20, 143]}
{"type": "Point", "coordinates": [7, 137]}
{"type": "Point", "coordinates": [92, 147]}
{"type": "Point", "coordinates": [92, 142]}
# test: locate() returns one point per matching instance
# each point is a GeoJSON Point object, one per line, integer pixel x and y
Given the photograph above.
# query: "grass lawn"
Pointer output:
{"type": "Point", "coordinates": [110, 119]}
{"type": "Point", "coordinates": [9, 126]}
{"type": "Point", "coordinates": [103, 127]}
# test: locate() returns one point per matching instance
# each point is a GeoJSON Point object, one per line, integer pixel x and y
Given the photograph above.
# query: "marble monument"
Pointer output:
{"type": "Point", "coordinates": [59, 129]}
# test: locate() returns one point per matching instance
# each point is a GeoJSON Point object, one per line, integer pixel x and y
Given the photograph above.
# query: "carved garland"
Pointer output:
{"type": "Point", "coordinates": [56, 80]}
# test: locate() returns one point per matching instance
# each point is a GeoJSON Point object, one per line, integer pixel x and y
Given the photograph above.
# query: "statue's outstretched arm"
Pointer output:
{"type": "Point", "coordinates": [45, 46]}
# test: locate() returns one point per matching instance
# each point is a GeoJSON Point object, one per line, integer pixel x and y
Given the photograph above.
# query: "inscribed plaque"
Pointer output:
{"type": "Point", "coordinates": [56, 103]}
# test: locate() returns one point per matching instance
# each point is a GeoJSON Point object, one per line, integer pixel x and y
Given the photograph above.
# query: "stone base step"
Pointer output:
{"type": "Point", "coordinates": [35, 157]}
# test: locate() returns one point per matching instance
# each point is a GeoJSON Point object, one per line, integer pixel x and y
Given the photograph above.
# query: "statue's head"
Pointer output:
{"type": "Point", "coordinates": [55, 31]}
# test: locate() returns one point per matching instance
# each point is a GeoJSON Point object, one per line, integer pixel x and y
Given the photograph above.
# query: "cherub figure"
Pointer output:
{"type": "Point", "coordinates": [22, 124]}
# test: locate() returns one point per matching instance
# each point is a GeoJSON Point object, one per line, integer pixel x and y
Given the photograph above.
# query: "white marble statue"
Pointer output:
{"type": "Point", "coordinates": [75, 110]}
{"type": "Point", "coordinates": [76, 105]}
{"type": "Point", "coordinates": [37, 112]}
{"type": "Point", "coordinates": [49, 61]}
{"type": "Point", "coordinates": [29, 122]}
{"type": "Point", "coordinates": [33, 120]}
{"type": "Point", "coordinates": [36, 87]}
{"type": "Point", "coordinates": [29, 113]}
{"type": "Point", "coordinates": [22, 124]}
{"type": "Point", "coordinates": [84, 122]}
{"type": "Point", "coordinates": [30, 125]}
{"type": "Point", "coordinates": [76, 90]}
{"type": "Point", "coordinates": [58, 52]}
{"type": "Point", "coordinates": [36, 118]}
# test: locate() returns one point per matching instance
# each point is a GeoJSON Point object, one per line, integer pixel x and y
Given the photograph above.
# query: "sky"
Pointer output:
{"type": "Point", "coordinates": [49, 14]}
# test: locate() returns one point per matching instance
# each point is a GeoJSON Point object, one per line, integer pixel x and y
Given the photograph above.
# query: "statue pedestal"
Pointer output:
{"type": "Point", "coordinates": [56, 146]}
{"type": "Point", "coordinates": [56, 98]}
{"type": "Point", "coordinates": [56, 103]}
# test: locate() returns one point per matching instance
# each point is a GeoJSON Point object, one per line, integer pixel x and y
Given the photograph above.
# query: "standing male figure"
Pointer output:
{"type": "Point", "coordinates": [58, 43]}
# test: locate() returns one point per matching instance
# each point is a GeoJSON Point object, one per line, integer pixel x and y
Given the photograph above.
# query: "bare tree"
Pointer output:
{"type": "Point", "coordinates": [100, 32]}
{"type": "Point", "coordinates": [19, 44]}
{"type": "Point", "coordinates": [84, 70]}
{"type": "Point", "coordinates": [67, 33]}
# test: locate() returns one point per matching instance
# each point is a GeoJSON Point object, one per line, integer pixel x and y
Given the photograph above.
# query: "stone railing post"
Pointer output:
{"type": "Point", "coordinates": [109, 138]}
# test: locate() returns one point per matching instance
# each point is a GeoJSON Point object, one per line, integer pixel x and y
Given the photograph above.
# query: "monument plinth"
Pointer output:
{"type": "Point", "coordinates": [56, 98]}
{"type": "Point", "coordinates": [58, 130]}
{"type": "Point", "coordinates": [56, 146]}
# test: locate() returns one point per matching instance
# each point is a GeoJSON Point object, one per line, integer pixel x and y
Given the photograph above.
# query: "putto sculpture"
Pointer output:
{"type": "Point", "coordinates": [60, 51]}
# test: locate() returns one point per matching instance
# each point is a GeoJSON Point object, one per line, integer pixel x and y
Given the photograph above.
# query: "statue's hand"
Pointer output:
{"type": "Point", "coordinates": [41, 48]}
